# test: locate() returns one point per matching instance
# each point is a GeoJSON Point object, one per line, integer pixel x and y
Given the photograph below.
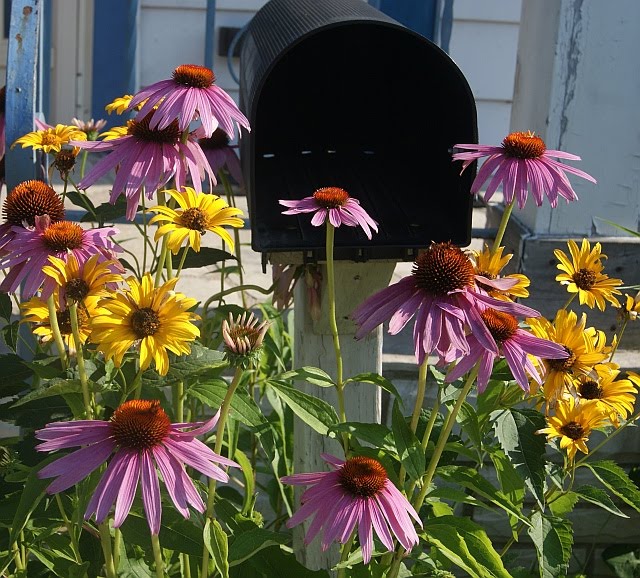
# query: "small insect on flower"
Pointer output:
{"type": "Point", "coordinates": [523, 162]}
{"type": "Point", "coordinates": [139, 438]}
{"type": "Point", "coordinates": [355, 494]}
{"type": "Point", "coordinates": [243, 339]}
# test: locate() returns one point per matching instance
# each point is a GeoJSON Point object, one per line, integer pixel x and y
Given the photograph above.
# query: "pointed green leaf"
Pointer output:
{"type": "Point", "coordinates": [599, 498]}
{"type": "Point", "coordinates": [564, 504]}
{"type": "Point", "coordinates": [216, 541]}
{"type": "Point", "coordinates": [13, 369]}
{"type": "Point", "coordinates": [212, 393]}
{"type": "Point", "coordinates": [52, 388]}
{"type": "Point", "coordinates": [376, 434]}
{"type": "Point", "coordinates": [468, 420]}
{"type": "Point", "coordinates": [516, 432]}
{"type": "Point", "coordinates": [623, 559]}
{"type": "Point", "coordinates": [467, 545]}
{"type": "Point", "coordinates": [615, 479]}
{"type": "Point", "coordinates": [553, 539]}
{"type": "Point", "coordinates": [315, 412]}
{"type": "Point", "coordinates": [10, 334]}
{"type": "Point", "coordinates": [407, 444]}
{"type": "Point", "coordinates": [206, 256]}
{"type": "Point", "coordinates": [6, 307]}
{"type": "Point", "coordinates": [378, 380]}
{"type": "Point", "coordinates": [249, 543]}
{"type": "Point", "coordinates": [313, 375]}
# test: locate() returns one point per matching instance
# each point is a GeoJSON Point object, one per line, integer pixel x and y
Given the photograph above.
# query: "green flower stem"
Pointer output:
{"type": "Point", "coordinates": [117, 538]}
{"type": "Point", "coordinates": [105, 540]}
{"type": "Point", "coordinates": [570, 300]}
{"type": "Point", "coordinates": [157, 555]}
{"type": "Point", "coordinates": [75, 547]}
{"type": "Point", "coordinates": [331, 291]}
{"type": "Point", "coordinates": [615, 347]}
{"type": "Point", "coordinates": [236, 233]}
{"type": "Point", "coordinates": [17, 558]}
{"type": "Point", "coordinates": [506, 215]}
{"type": "Point", "coordinates": [224, 412]}
{"type": "Point", "coordinates": [182, 259]}
{"type": "Point", "coordinates": [55, 330]}
{"type": "Point", "coordinates": [178, 401]}
{"type": "Point", "coordinates": [144, 230]}
{"type": "Point", "coordinates": [163, 250]}
{"type": "Point", "coordinates": [223, 272]}
{"type": "Point", "coordinates": [226, 292]}
{"type": "Point", "coordinates": [83, 163]}
{"type": "Point", "coordinates": [346, 550]}
{"type": "Point", "coordinates": [82, 372]}
{"type": "Point", "coordinates": [186, 565]}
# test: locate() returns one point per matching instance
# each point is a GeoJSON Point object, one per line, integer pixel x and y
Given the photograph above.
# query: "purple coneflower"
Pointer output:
{"type": "Point", "coordinates": [357, 491]}
{"type": "Point", "coordinates": [442, 295]}
{"type": "Point", "coordinates": [29, 250]}
{"type": "Point", "coordinates": [515, 344]}
{"type": "Point", "coordinates": [334, 204]}
{"type": "Point", "coordinates": [220, 154]}
{"type": "Point", "coordinates": [191, 90]}
{"type": "Point", "coordinates": [522, 162]}
{"type": "Point", "coordinates": [243, 338]}
{"type": "Point", "coordinates": [147, 157]}
{"type": "Point", "coordinates": [141, 437]}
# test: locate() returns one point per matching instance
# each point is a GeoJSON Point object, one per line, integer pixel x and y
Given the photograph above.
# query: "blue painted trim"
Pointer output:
{"type": "Point", "coordinates": [21, 88]}
{"type": "Point", "coordinates": [446, 24]}
{"type": "Point", "coordinates": [114, 54]}
{"type": "Point", "coordinates": [210, 34]}
{"type": "Point", "coordinates": [419, 15]}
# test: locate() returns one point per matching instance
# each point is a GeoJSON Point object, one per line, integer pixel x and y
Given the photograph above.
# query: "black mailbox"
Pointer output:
{"type": "Point", "coordinates": [339, 94]}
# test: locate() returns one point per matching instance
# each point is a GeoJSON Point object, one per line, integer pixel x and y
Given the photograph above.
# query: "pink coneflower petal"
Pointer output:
{"type": "Point", "coordinates": [107, 489]}
{"type": "Point", "coordinates": [128, 484]}
{"type": "Point", "coordinates": [170, 470]}
{"type": "Point", "coordinates": [151, 493]}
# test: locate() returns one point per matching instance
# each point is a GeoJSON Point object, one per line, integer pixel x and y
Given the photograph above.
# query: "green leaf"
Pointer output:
{"type": "Point", "coordinates": [6, 307]}
{"type": "Point", "coordinates": [275, 562]}
{"type": "Point", "coordinates": [249, 480]}
{"type": "Point", "coordinates": [106, 212]}
{"type": "Point", "coordinates": [313, 375]}
{"type": "Point", "coordinates": [315, 412]}
{"type": "Point", "coordinates": [564, 504]}
{"type": "Point", "coordinates": [599, 498]}
{"type": "Point", "coordinates": [249, 543]}
{"type": "Point", "coordinates": [13, 369]}
{"type": "Point", "coordinates": [176, 533]}
{"type": "Point", "coordinates": [468, 420]}
{"type": "Point", "coordinates": [553, 540]}
{"type": "Point", "coordinates": [467, 545]}
{"type": "Point", "coordinates": [623, 559]}
{"type": "Point", "coordinates": [516, 433]}
{"type": "Point", "coordinates": [243, 408]}
{"type": "Point", "coordinates": [511, 484]}
{"type": "Point", "coordinates": [615, 479]}
{"type": "Point", "coordinates": [53, 388]}
{"type": "Point", "coordinates": [80, 200]}
{"type": "Point", "coordinates": [217, 543]}
{"type": "Point", "coordinates": [376, 434]}
{"type": "Point", "coordinates": [407, 444]}
{"type": "Point", "coordinates": [378, 380]}
{"type": "Point", "coordinates": [200, 360]}
{"type": "Point", "coordinates": [206, 256]}
{"type": "Point", "coordinates": [10, 335]}
{"type": "Point", "coordinates": [471, 479]}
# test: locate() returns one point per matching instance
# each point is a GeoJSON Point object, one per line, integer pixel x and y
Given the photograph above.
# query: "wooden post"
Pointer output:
{"type": "Point", "coordinates": [313, 345]}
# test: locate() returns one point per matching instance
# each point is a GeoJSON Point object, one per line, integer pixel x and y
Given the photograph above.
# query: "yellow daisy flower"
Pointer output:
{"type": "Point", "coordinates": [573, 423]}
{"type": "Point", "coordinates": [583, 275]}
{"type": "Point", "coordinates": [115, 132]}
{"type": "Point", "coordinates": [586, 348]}
{"type": "Point", "coordinates": [630, 308]}
{"type": "Point", "coordinates": [156, 319]}
{"type": "Point", "coordinates": [197, 213]}
{"type": "Point", "coordinates": [491, 266]}
{"type": "Point", "coordinates": [36, 311]}
{"type": "Point", "coordinates": [119, 104]}
{"type": "Point", "coordinates": [86, 284]}
{"type": "Point", "coordinates": [51, 139]}
{"type": "Point", "coordinates": [615, 397]}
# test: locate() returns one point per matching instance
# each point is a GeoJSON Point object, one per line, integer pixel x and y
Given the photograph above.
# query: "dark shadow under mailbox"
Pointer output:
{"type": "Point", "coordinates": [338, 94]}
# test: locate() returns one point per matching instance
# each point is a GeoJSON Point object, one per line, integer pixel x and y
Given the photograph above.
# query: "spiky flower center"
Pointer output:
{"type": "Point", "coordinates": [362, 476]}
{"type": "Point", "coordinates": [244, 337]}
{"type": "Point", "coordinates": [145, 322]}
{"type": "Point", "coordinates": [443, 268]}
{"type": "Point", "coordinates": [218, 140]}
{"type": "Point", "coordinates": [194, 76]}
{"type": "Point", "coordinates": [331, 197]}
{"type": "Point", "coordinates": [590, 389]}
{"type": "Point", "coordinates": [193, 218]}
{"type": "Point", "coordinates": [502, 326]}
{"type": "Point", "coordinates": [572, 430]}
{"type": "Point", "coordinates": [140, 129]}
{"type": "Point", "coordinates": [584, 279]}
{"type": "Point", "coordinates": [50, 138]}
{"type": "Point", "coordinates": [65, 160]}
{"type": "Point", "coordinates": [523, 145]}
{"type": "Point", "coordinates": [64, 320]}
{"type": "Point", "coordinates": [77, 289]}
{"type": "Point", "coordinates": [140, 424]}
{"type": "Point", "coordinates": [63, 236]}
{"type": "Point", "coordinates": [31, 199]}
{"type": "Point", "coordinates": [565, 364]}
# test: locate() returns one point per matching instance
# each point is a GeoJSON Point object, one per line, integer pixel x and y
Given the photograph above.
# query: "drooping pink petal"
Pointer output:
{"type": "Point", "coordinates": [151, 493]}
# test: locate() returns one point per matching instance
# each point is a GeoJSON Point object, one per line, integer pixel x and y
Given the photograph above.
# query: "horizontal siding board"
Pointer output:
{"type": "Point", "coordinates": [487, 10]}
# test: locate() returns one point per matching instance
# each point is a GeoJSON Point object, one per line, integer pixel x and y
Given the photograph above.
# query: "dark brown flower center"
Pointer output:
{"type": "Point", "coordinates": [145, 322]}
{"type": "Point", "coordinates": [572, 430]}
{"type": "Point", "coordinates": [65, 161]}
{"type": "Point", "coordinates": [218, 140]}
{"type": "Point", "coordinates": [64, 320]}
{"type": "Point", "coordinates": [140, 129]}
{"type": "Point", "coordinates": [193, 218]}
{"type": "Point", "coordinates": [590, 389]}
{"type": "Point", "coordinates": [63, 236]}
{"type": "Point", "coordinates": [362, 476]}
{"type": "Point", "coordinates": [501, 325]}
{"type": "Point", "coordinates": [31, 199]}
{"type": "Point", "coordinates": [486, 274]}
{"type": "Point", "coordinates": [523, 145]}
{"type": "Point", "coordinates": [194, 75]}
{"type": "Point", "coordinates": [443, 268]}
{"type": "Point", "coordinates": [331, 197]}
{"type": "Point", "coordinates": [584, 279]}
{"type": "Point", "coordinates": [565, 364]}
{"type": "Point", "coordinates": [140, 424]}
{"type": "Point", "coordinates": [77, 289]}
